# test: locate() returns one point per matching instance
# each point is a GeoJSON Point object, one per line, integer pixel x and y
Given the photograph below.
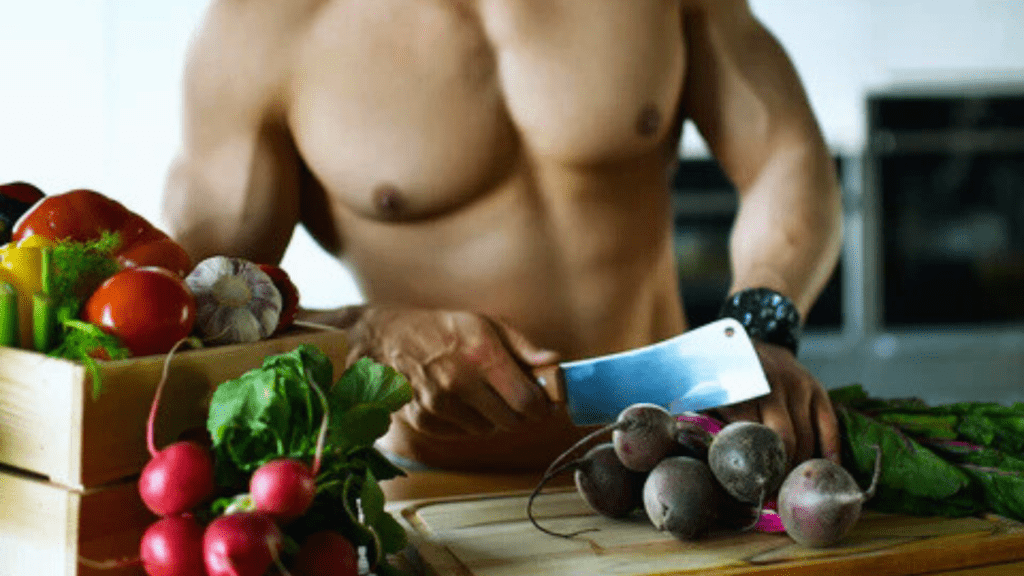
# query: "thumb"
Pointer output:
{"type": "Point", "coordinates": [522, 348]}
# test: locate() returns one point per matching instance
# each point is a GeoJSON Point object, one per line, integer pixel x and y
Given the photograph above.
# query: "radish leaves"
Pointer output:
{"type": "Point", "coordinates": [273, 412]}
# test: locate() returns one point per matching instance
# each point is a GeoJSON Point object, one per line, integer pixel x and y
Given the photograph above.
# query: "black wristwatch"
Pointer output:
{"type": "Point", "coordinates": [767, 315]}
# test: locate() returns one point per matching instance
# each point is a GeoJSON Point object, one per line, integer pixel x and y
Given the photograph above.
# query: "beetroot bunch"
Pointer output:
{"type": "Point", "coordinates": [690, 474]}
{"type": "Point", "coordinates": [288, 480]}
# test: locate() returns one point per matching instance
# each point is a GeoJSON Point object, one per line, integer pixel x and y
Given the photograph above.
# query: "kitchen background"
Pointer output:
{"type": "Point", "coordinates": [922, 104]}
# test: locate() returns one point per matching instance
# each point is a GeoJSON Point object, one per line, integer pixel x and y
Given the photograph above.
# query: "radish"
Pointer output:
{"type": "Point", "coordinates": [176, 479]}
{"type": "Point", "coordinates": [180, 476]}
{"type": "Point", "coordinates": [820, 501]}
{"type": "Point", "coordinates": [241, 544]}
{"type": "Point", "coordinates": [749, 460]}
{"type": "Point", "coordinates": [285, 488]}
{"type": "Point", "coordinates": [326, 553]}
{"type": "Point", "coordinates": [173, 546]}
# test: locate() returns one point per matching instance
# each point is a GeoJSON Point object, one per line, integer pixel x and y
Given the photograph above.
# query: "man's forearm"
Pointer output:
{"type": "Point", "coordinates": [344, 317]}
{"type": "Point", "coordinates": [788, 232]}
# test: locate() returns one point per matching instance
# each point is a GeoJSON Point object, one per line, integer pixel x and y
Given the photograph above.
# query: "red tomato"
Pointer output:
{"type": "Point", "coordinates": [148, 308]}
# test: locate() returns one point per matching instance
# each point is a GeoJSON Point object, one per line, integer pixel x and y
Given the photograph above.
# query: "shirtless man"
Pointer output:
{"type": "Point", "coordinates": [495, 174]}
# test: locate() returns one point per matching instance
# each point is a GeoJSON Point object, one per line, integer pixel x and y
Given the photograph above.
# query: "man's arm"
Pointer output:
{"type": "Point", "coordinates": [233, 190]}
{"type": "Point", "coordinates": [747, 101]}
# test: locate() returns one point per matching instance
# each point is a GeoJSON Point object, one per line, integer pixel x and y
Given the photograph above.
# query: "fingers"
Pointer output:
{"type": "Point", "coordinates": [503, 367]}
{"type": "Point", "coordinates": [798, 409]}
{"type": "Point", "coordinates": [521, 347]}
{"type": "Point", "coordinates": [775, 415]}
{"type": "Point", "coordinates": [748, 411]}
{"type": "Point", "coordinates": [444, 392]}
{"type": "Point", "coordinates": [828, 428]}
{"type": "Point", "coordinates": [430, 423]}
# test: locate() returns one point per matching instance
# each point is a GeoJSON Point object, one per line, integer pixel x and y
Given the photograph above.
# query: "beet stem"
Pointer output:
{"type": "Point", "coordinates": [760, 512]}
{"type": "Point", "coordinates": [536, 491]}
{"type": "Point", "coordinates": [583, 442]}
{"type": "Point", "coordinates": [870, 492]}
{"type": "Point", "coordinates": [151, 421]}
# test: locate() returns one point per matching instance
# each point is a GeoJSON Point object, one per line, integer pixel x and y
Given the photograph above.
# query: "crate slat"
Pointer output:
{"type": "Point", "coordinates": [51, 425]}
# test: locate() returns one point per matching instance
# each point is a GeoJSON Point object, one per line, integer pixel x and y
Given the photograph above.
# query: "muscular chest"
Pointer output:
{"type": "Point", "coordinates": [418, 106]}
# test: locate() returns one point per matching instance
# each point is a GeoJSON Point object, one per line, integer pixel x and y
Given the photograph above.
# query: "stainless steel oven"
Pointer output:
{"type": "Point", "coordinates": [928, 299]}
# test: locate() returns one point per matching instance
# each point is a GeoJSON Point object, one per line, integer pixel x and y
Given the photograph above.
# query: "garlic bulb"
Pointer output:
{"type": "Point", "coordinates": [235, 300]}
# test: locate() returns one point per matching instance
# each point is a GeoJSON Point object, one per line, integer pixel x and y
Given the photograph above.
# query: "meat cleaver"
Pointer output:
{"type": "Point", "coordinates": [714, 365]}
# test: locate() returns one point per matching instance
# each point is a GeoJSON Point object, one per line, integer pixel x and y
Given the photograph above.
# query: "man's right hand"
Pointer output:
{"type": "Point", "coordinates": [470, 374]}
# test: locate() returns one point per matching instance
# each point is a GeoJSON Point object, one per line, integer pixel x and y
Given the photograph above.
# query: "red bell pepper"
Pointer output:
{"type": "Point", "coordinates": [15, 199]}
{"type": "Point", "coordinates": [83, 215]}
{"type": "Point", "coordinates": [289, 295]}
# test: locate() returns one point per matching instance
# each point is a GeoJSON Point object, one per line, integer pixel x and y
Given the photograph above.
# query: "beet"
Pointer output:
{"type": "Point", "coordinates": [692, 441]}
{"type": "Point", "coordinates": [681, 497]}
{"type": "Point", "coordinates": [820, 501]}
{"type": "Point", "coordinates": [610, 488]}
{"type": "Point", "coordinates": [643, 435]}
{"type": "Point", "coordinates": [749, 460]}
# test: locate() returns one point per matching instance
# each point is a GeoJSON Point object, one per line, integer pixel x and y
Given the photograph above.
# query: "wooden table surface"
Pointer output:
{"type": "Point", "coordinates": [433, 485]}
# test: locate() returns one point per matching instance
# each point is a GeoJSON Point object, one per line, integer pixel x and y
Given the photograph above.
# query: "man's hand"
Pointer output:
{"type": "Point", "coordinates": [469, 373]}
{"type": "Point", "coordinates": [798, 407]}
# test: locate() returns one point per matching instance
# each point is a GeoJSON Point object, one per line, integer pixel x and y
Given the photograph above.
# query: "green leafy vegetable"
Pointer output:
{"type": "Point", "coordinates": [952, 460]}
{"type": "Point", "coordinates": [273, 411]}
{"type": "Point", "coordinates": [78, 268]}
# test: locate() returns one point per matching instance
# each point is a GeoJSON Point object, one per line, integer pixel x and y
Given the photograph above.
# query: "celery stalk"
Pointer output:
{"type": "Point", "coordinates": [46, 270]}
{"type": "Point", "coordinates": [8, 315]}
{"type": "Point", "coordinates": [44, 322]}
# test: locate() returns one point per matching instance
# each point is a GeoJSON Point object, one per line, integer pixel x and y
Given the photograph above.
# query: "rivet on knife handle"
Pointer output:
{"type": "Point", "coordinates": [550, 379]}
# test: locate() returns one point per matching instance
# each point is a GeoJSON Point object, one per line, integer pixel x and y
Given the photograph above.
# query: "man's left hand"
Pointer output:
{"type": "Point", "coordinates": [798, 407]}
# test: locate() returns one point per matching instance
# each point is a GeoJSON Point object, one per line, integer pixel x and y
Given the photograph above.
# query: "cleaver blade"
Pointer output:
{"type": "Point", "coordinates": [710, 366]}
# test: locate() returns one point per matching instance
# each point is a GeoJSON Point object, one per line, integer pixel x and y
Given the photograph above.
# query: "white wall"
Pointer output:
{"type": "Point", "coordinates": [89, 88]}
{"type": "Point", "coordinates": [89, 98]}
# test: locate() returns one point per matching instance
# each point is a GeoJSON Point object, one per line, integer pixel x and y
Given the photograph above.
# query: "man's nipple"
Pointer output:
{"type": "Point", "coordinates": [648, 121]}
{"type": "Point", "coordinates": [388, 201]}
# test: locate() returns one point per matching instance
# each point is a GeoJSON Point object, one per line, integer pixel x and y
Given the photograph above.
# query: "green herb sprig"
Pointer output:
{"type": "Point", "coordinates": [74, 271]}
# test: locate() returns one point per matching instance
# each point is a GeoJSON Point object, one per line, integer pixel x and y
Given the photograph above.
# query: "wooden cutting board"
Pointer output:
{"type": "Point", "coordinates": [492, 536]}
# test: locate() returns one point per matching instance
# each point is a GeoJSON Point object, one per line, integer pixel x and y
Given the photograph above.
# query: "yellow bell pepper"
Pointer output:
{"type": "Point", "coordinates": [21, 266]}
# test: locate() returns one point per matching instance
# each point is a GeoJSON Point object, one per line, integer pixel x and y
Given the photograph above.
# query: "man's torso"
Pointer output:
{"type": "Point", "coordinates": [509, 157]}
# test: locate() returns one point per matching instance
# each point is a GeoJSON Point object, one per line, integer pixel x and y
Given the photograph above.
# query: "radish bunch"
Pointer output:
{"type": "Point", "coordinates": [247, 540]}
{"type": "Point", "coordinates": [690, 475]}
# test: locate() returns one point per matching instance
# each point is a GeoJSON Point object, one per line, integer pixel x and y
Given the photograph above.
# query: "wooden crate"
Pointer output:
{"type": "Point", "coordinates": [52, 426]}
{"type": "Point", "coordinates": [69, 461]}
{"type": "Point", "coordinates": [45, 527]}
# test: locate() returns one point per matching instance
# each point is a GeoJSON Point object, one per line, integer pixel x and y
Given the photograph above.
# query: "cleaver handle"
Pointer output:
{"type": "Point", "coordinates": [551, 380]}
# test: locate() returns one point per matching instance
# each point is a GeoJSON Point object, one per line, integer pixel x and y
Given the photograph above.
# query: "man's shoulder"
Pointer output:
{"type": "Point", "coordinates": [241, 51]}
{"type": "Point", "coordinates": [713, 8]}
